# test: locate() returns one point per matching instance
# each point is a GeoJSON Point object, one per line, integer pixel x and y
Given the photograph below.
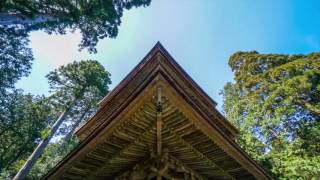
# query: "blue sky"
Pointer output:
{"type": "Point", "coordinates": [200, 35]}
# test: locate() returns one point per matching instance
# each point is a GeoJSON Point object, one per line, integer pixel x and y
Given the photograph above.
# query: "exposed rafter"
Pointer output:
{"type": "Point", "coordinates": [157, 108]}
{"type": "Point", "coordinates": [138, 140]}
{"type": "Point", "coordinates": [199, 154]}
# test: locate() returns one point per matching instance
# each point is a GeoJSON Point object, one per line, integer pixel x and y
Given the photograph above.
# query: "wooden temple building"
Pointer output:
{"type": "Point", "coordinates": [157, 124]}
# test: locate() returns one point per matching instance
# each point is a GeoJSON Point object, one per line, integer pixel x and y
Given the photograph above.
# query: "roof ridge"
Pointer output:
{"type": "Point", "coordinates": [158, 47]}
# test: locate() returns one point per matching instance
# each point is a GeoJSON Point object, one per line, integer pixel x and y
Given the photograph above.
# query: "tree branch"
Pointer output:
{"type": "Point", "coordinates": [17, 18]}
{"type": "Point", "coordinates": [308, 106]}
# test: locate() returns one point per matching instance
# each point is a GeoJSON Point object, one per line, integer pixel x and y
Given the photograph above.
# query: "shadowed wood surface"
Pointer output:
{"type": "Point", "coordinates": [157, 124]}
{"type": "Point", "coordinates": [134, 141]}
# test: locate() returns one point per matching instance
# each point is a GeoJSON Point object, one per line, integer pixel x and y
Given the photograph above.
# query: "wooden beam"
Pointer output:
{"type": "Point", "coordinates": [137, 140]}
{"type": "Point", "coordinates": [146, 170]}
{"type": "Point", "coordinates": [198, 153]}
{"type": "Point", "coordinates": [199, 176]}
{"type": "Point", "coordinates": [159, 125]}
{"type": "Point", "coordinates": [159, 134]}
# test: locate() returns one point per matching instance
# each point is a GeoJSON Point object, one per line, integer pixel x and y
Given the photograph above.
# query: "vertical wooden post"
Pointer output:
{"type": "Point", "coordinates": [159, 126]}
{"type": "Point", "coordinates": [159, 177]}
{"type": "Point", "coordinates": [159, 136]}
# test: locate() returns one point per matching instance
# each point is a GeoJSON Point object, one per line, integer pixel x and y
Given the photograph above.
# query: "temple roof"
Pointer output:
{"type": "Point", "coordinates": [157, 123]}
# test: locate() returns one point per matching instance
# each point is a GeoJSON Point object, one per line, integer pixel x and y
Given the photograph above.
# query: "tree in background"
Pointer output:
{"type": "Point", "coordinates": [275, 102]}
{"type": "Point", "coordinates": [23, 117]}
{"type": "Point", "coordinates": [17, 130]}
{"type": "Point", "coordinates": [15, 57]}
{"type": "Point", "coordinates": [95, 19]}
{"type": "Point", "coordinates": [75, 88]}
{"type": "Point", "coordinates": [51, 156]}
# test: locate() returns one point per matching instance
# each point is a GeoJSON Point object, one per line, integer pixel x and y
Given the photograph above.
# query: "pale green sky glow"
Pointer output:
{"type": "Point", "coordinates": [200, 35]}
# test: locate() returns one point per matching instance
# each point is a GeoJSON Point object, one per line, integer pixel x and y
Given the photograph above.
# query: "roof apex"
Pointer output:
{"type": "Point", "coordinates": [157, 48]}
{"type": "Point", "coordinates": [135, 86]}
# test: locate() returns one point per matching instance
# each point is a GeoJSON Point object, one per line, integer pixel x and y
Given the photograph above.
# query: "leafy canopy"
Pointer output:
{"type": "Point", "coordinates": [96, 19]}
{"type": "Point", "coordinates": [26, 120]}
{"type": "Point", "coordinates": [22, 118]}
{"type": "Point", "coordinates": [280, 80]}
{"type": "Point", "coordinates": [15, 57]}
{"type": "Point", "coordinates": [78, 86]}
{"type": "Point", "coordinates": [69, 83]}
{"type": "Point", "coordinates": [275, 102]}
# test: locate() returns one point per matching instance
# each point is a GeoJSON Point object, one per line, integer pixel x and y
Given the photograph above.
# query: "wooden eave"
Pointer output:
{"type": "Point", "coordinates": [112, 141]}
{"type": "Point", "coordinates": [158, 60]}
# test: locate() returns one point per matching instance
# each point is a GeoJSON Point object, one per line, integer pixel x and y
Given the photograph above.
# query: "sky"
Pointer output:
{"type": "Point", "coordinates": [201, 35]}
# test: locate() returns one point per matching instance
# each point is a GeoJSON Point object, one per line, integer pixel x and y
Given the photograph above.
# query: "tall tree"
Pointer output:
{"type": "Point", "coordinates": [22, 119]}
{"type": "Point", "coordinates": [51, 156]}
{"type": "Point", "coordinates": [18, 112]}
{"type": "Point", "coordinates": [71, 84]}
{"type": "Point", "coordinates": [275, 101]}
{"type": "Point", "coordinates": [96, 19]}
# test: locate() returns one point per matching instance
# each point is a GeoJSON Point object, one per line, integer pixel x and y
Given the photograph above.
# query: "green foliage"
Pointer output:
{"type": "Point", "coordinates": [295, 162]}
{"type": "Point", "coordinates": [72, 82]}
{"type": "Point", "coordinates": [15, 57]}
{"type": "Point", "coordinates": [275, 102]}
{"type": "Point", "coordinates": [25, 120]}
{"type": "Point", "coordinates": [51, 156]}
{"type": "Point", "coordinates": [45, 134]}
{"type": "Point", "coordinates": [95, 19]}
{"type": "Point", "coordinates": [76, 87]}
{"type": "Point", "coordinates": [22, 119]}
{"type": "Point", "coordinates": [285, 84]}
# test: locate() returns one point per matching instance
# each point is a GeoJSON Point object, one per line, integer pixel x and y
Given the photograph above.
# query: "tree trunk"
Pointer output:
{"type": "Point", "coordinates": [67, 138]}
{"type": "Point", "coordinates": [25, 169]}
{"type": "Point", "coordinates": [75, 125]}
{"type": "Point", "coordinates": [10, 19]}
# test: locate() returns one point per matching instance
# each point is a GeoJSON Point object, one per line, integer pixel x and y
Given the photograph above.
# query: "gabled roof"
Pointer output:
{"type": "Point", "coordinates": [158, 60]}
{"type": "Point", "coordinates": [120, 134]}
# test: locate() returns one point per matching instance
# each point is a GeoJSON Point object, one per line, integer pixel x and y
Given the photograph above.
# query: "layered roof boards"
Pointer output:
{"type": "Point", "coordinates": [157, 124]}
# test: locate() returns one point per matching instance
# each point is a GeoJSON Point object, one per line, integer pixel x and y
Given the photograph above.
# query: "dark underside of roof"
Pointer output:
{"type": "Point", "coordinates": [140, 133]}
{"type": "Point", "coordinates": [188, 151]}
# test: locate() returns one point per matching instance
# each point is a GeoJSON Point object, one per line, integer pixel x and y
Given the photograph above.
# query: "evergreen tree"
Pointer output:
{"type": "Point", "coordinates": [15, 57]}
{"type": "Point", "coordinates": [96, 19]}
{"type": "Point", "coordinates": [275, 102]}
{"type": "Point", "coordinates": [75, 87]}
{"type": "Point", "coordinates": [22, 119]}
